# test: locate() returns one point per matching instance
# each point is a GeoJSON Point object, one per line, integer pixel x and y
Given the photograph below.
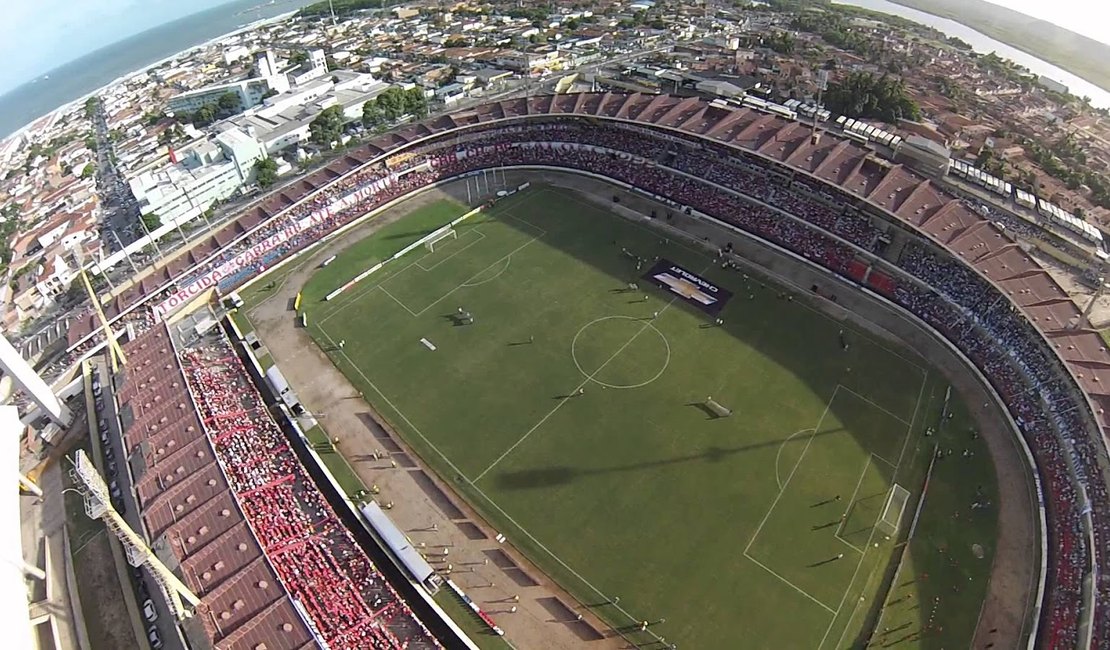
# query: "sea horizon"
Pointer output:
{"type": "Point", "coordinates": [77, 79]}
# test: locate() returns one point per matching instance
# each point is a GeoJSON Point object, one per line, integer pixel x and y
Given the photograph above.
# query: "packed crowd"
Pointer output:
{"type": "Point", "coordinates": [796, 214]}
{"type": "Point", "coordinates": [1028, 377]}
{"type": "Point", "coordinates": [348, 602]}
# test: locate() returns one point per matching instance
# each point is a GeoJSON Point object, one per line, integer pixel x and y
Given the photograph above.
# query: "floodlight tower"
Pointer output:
{"type": "Point", "coordinates": [98, 505]}
{"type": "Point", "coordinates": [822, 86]}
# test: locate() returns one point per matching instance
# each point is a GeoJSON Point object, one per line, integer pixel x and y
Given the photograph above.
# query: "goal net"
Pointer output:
{"type": "Point", "coordinates": [438, 236]}
{"type": "Point", "coordinates": [894, 509]}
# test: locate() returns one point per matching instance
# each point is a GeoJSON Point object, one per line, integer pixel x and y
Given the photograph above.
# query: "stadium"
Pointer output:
{"type": "Point", "coordinates": [691, 369]}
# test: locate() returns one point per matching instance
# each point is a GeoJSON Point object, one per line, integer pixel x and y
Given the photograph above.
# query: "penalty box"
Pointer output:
{"type": "Point", "coordinates": [480, 252]}
{"type": "Point", "coordinates": [818, 528]}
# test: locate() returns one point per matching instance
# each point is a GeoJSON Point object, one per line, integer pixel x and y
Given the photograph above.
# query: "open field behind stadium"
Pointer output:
{"type": "Point", "coordinates": [572, 413]}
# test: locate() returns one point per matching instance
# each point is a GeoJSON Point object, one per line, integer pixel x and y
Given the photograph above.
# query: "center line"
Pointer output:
{"type": "Point", "coordinates": [566, 399]}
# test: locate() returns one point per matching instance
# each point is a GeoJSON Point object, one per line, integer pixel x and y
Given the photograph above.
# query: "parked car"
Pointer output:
{"type": "Point", "coordinates": [154, 638]}
{"type": "Point", "coordinates": [149, 613]}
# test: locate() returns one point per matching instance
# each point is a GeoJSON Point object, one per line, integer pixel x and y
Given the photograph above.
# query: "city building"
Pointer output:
{"type": "Point", "coordinates": [923, 155]}
{"type": "Point", "coordinates": [283, 120]}
{"type": "Point", "coordinates": [249, 91]}
{"type": "Point", "coordinates": [208, 172]}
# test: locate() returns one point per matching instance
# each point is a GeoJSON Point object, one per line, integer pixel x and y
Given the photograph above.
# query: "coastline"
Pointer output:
{"type": "Point", "coordinates": [1007, 38]}
{"type": "Point", "coordinates": [247, 27]}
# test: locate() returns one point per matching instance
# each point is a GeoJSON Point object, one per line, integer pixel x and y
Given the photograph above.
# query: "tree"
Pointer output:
{"type": "Point", "coordinates": [205, 115]}
{"type": "Point", "coordinates": [392, 103]}
{"type": "Point", "coordinates": [91, 104]}
{"type": "Point", "coordinates": [372, 115]}
{"type": "Point", "coordinates": [151, 221]}
{"type": "Point", "coordinates": [265, 170]}
{"type": "Point", "coordinates": [327, 127]}
{"type": "Point", "coordinates": [228, 103]}
{"type": "Point", "coordinates": [416, 104]}
{"type": "Point", "coordinates": [299, 57]}
{"type": "Point", "coordinates": [862, 95]}
{"type": "Point", "coordinates": [88, 171]}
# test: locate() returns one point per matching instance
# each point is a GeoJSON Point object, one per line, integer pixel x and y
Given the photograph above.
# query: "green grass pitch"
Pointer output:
{"type": "Point", "coordinates": [758, 528]}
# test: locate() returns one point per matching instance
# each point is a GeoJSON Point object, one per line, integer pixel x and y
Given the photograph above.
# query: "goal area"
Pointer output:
{"type": "Point", "coordinates": [893, 510]}
{"type": "Point", "coordinates": [444, 233]}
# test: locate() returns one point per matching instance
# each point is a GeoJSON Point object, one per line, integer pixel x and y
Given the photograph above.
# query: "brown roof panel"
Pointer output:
{"type": "Point", "coordinates": [208, 566]}
{"type": "Point", "coordinates": [277, 627]}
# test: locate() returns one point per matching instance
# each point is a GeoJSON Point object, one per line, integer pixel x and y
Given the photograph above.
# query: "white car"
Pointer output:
{"type": "Point", "coordinates": [149, 613]}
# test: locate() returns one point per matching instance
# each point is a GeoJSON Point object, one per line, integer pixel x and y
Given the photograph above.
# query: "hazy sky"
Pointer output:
{"type": "Point", "coordinates": [37, 36]}
{"type": "Point", "coordinates": [1090, 18]}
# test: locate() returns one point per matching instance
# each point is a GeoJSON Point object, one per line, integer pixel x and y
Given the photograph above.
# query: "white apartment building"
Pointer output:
{"type": "Point", "coordinates": [283, 120]}
{"type": "Point", "coordinates": [207, 172]}
{"type": "Point", "coordinates": [249, 91]}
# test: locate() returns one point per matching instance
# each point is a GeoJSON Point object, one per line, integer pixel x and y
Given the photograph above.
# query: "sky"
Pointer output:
{"type": "Point", "coordinates": [37, 36]}
{"type": "Point", "coordinates": [1091, 18]}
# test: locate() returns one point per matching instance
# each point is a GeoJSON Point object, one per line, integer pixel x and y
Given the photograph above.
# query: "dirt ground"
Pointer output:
{"type": "Point", "coordinates": [495, 574]}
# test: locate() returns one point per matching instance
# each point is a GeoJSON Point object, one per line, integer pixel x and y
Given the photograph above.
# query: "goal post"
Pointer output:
{"type": "Point", "coordinates": [894, 509]}
{"type": "Point", "coordinates": [447, 232]}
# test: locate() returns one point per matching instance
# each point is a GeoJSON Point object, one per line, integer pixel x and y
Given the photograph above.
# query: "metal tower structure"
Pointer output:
{"type": "Point", "coordinates": [98, 505]}
{"type": "Point", "coordinates": [115, 352]}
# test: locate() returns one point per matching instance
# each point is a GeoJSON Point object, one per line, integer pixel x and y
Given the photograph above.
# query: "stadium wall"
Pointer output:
{"type": "Point", "coordinates": [658, 131]}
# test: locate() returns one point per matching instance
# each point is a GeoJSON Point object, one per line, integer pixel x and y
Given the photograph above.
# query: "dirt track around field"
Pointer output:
{"type": "Point", "coordinates": [425, 508]}
{"type": "Point", "coordinates": [546, 617]}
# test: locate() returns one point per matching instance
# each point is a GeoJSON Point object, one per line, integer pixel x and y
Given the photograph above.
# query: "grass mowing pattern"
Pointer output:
{"type": "Point", "coordinates": [728, 528]}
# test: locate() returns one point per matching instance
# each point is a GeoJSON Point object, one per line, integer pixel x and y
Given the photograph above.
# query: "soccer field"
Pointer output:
{"type": "Point", "coordinates": [572, 412]}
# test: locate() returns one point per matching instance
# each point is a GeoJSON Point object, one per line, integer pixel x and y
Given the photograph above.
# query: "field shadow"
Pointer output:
{"type": "Point", "coordinates": [436, 495]}
{"type": "Point", "coordinates": [561, 613]}
{"type": "Point", "coordinates": [546, 477]}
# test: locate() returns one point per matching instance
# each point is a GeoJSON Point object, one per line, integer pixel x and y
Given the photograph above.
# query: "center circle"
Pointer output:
{"type": "Point", "coordinates": [620, 352]}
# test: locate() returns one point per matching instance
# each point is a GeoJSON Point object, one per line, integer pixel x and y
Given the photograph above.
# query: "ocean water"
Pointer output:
{"type": "Point", "coordinates": [82, 76]}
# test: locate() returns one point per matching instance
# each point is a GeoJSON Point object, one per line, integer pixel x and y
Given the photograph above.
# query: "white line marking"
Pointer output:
{"type": "Point", "coordinates": [851, 501]}
{"type": "Point", "coordinates": [348, 299]}
{"type": "Point", "coordinates": [464, 282]}
{"type": "Point", "coordinates": [874, 525]}
{"type": "Point", "coordinates": [508, 261]}
{"type": "Point", "coordinates": [790, 476]}
{"type": "Point", "coordinates": [396, 300]}
{"type": "Point", "coordinates": [791, 584]}
{"type": "Point", "coordinates": [782, 446]}
{"type": "Point", "coordinates": [589, 379]}
{"type": "Point", "coordinates": [438, 262]}
{"type": "Point", "coordinates": [872, 403]}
